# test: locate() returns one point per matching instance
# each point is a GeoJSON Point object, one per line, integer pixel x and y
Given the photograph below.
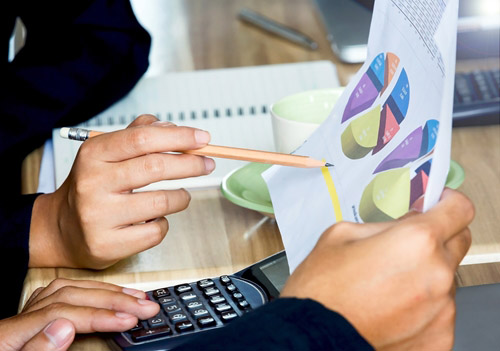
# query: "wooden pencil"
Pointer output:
{"type": "Point", "coordinates": [233, 153]}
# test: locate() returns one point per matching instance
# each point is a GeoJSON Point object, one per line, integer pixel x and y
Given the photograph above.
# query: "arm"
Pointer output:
{"type": "Point", "coordinates": [393, 282]}
{"type": "Point", "coordinates": [79, 58]}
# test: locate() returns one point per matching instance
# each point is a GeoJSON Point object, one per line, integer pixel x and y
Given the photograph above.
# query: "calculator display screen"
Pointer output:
{"type": "Point", "coordinates": [276, 272]}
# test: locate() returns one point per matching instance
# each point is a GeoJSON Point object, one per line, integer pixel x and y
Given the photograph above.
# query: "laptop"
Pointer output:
{"type": "Point", "coordinates": [477, 325]}
{"type": "Point", "coordinates": [347, 23]}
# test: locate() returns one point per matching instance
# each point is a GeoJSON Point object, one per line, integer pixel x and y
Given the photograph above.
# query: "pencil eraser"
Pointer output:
{"type": "Point", "coordinates": [64, 132]}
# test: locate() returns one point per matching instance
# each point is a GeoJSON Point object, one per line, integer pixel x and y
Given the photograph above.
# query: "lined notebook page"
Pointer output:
{"type": "Point", "coordinates": [232, 104]}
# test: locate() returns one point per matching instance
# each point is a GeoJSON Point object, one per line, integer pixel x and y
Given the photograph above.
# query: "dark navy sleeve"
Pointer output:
{"type": "Point", "coordinates": [15, 218]}
{"type": "Point", "coordinates": [284, 324]}
{"type": "Point", "coordinates": [79, 58]}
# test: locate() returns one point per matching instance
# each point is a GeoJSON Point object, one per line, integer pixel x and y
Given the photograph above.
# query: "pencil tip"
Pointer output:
{"type": "Point", "coordinates": [328, 164]}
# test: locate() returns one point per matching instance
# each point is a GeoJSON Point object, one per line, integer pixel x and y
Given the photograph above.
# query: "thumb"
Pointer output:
{"type": "Point", "coordinates": [56, 336]}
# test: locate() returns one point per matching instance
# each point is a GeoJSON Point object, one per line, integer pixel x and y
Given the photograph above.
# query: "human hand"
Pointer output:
{"type": "Point", "coordinates": [53, 314]}
{"type": "Point", "coordinates": [95, 219]}
{"type": "Point", "coordinates": [393, 281]}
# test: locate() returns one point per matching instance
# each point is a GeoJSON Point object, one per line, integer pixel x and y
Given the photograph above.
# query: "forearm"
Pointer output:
{"type": "Point", "coordinates": [285, 324]}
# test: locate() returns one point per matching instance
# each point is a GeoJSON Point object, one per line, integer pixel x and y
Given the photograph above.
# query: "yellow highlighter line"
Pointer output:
{"type": "Point", "coordinates": [333, 193]}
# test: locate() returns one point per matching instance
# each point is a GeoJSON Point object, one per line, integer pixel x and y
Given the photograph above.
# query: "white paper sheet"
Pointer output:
{"type": "Point", "coordinates": [389, 135]}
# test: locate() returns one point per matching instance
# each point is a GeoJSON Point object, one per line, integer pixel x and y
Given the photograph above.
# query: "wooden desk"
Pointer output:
{"type": "Point", "coordinates": [214, 236]}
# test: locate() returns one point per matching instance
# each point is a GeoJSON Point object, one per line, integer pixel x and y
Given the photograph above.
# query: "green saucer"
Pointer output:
{"type": "Point", "coordinates": [246, 187]}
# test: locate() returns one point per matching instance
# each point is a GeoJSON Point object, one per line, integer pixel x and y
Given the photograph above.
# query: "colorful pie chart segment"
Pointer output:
{"type": "Point", "coordinates": [360, 136]}
{"type": "Point", "coordinates": [371, 85]}
{"type": "Point", "coordinates": [386, 197]}
{"type": "Point", "coordinates": [418, 143]}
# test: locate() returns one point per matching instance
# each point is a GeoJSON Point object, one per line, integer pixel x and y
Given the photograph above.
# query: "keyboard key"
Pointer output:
{"type": "Point", "coordinates": [211, 291]}
{"type": "Point", "coordinates": [214, 300]}
{"type": "Point", "coordinates": [199, 312]}
{"type": "Point", "coordinates": [166, 300]}
{"type": "Point", "coordinates": [205, 322]}
{"type": "Point", "coordinates": [243, 305]}
{"type": "Point", "coordinates": [179, 289]}
{"type": "Point", "coordinates": [224, 279]}
{"type": "Point", "coordinates": [158, 293]}
{"type": "Point", "coordinates": [157, 321]}
{"type": "Point", "coordinates": [228, 316]}
{"type": "Point", "coordinates": [177, 317]}
{"type": "Point", "coordinates": [138, 326]}
{"type": "Point", "coordinates": [145, 334]}
{"type": "Point", "coordinates": [231, 288]}
{"type": "Point", "coordinates": [171, 308]}
{"type": "Point", "coordinates": [223, 307]}
{"type": "Point", "coordinates": [237, 296]}
{"type": "Point", "coordinates": [192, 305]}
{"type": "Point", "coordinates": [205, 283]}
{"type": "Point", "coordinates": [183, 327]}
{"type": "Point", "coordinates": [185, 297]}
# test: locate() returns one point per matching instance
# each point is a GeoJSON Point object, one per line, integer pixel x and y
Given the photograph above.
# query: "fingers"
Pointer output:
{"type": "Point", "coordinates": [57, 336]}
{"type": "Point", "coordinates": [99, 298]}
{"type": "Point", "coordinates": [144, 139]}
{"type": "Point", "coordinates": [447, 218]}
{"type": "Point", "coordinates": [144, 119]}
{"type": "Point", "coordinates": [137, 238]}
{"type": "Point", "coordinates": [344, 232]}
{"type": "Point", "coordinates": [59, 283]}
{"type": "Point", "coordinates": [155, 167]}
{"type": "Point", "coordinates": [147, 205]}
{"type": "Point", "coordinates": [457, 247]}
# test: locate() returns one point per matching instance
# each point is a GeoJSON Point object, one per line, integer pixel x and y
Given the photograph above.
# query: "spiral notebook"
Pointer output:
{"type": "Point", "coordinates": [232, 104]}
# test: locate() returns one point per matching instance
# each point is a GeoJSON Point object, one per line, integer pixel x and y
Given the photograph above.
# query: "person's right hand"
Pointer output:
{"type": "Point", "coordinates": [53, 314]}
{"type": "Point", "coordinates": [95, 219]}
{"type": "Point", "coordinates": [393, 281]}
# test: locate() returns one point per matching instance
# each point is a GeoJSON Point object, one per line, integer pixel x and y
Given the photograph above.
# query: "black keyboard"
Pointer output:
{"type": "Point", "coordinates": [477, 98]}
{"type": "Point", "coordinates": [189, 309]}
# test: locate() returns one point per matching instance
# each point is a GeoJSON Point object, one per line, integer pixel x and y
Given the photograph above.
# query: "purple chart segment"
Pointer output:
{"type": "Point", "coordinates": [361, 98]}
{"type": "Point", "coordinates": [407, 151]}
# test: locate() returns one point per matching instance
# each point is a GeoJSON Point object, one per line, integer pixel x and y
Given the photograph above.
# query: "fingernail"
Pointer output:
{"type": "Point", "coordinates": [201, 136]}
{"type": "Point", "coordinates": [123, 315]}
{"type": "Point", "coordinates": [133, 292]}
{"type": "Point", "coordinates": [162, 124]}
{"type": "Point", "coordinates": [59, 332]}
{"type": "Point", "coordinates": [145, 302]}
{"type": "Point", "coordinates": [209, 164]}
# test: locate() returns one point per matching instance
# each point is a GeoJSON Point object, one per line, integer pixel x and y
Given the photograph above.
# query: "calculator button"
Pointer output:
{"type": "Point", "coordinates": [158, 293]}
{"type": "Point", "coordinates": [224, 279]}
{"type": "Point", "coordinates": [185, 326]}
{"type": "Point", "coordinates": [138, 326]}
{"type": "Point", "coordinates": [223, 307]}
{"type": "Point", "coordinates": [191, 305]}
{"type": "Point", "coordinates": [214, 300]}
{"type": "Point", "coordinates": [171, 308]}
{"type": "Point", "coordinates": [237, 296]}
{"type": "Point", "coordinates": [177, 317]}
{"type": "Point", "coordinates": [188, 296]}
{"type": "Point", "coordinates": [199, 312]}
{"type": "Point", "coordinates": [228, 316]}
{"type": "Point", "coordinates": [243, 304]}
{"type": "Point", "coordinates": [231, 288]}
{"type": "Point", "coordinates": [166, 300]}
{"type": "Point", "coordinates": [144, 334]}
{"type": "Point", "coordinates": [211, 291]}
{"type": "Point", "coordinates": [157, 321]}
{"type": "Point", "coordinates": [204, 322]}
{"type": "Point", "coordinates": [205, 283]}
{"type": "Point", "coordinates": [179, 289]}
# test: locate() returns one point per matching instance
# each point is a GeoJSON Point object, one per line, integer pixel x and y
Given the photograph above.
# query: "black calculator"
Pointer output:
{"type": "Point", "coordinates": [199, 307]}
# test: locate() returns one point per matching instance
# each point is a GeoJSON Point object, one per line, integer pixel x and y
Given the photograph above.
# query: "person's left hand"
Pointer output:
{"type": "Point", "coordinates": [95, 218]}
{"type": "Point", "coordinates": [53, 314]}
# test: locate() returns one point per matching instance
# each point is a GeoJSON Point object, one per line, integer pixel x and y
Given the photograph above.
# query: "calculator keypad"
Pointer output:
{"type": "Point", "coordinates": [201, 305]}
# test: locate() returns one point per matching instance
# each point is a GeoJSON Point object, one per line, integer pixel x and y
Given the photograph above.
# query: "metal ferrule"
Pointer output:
{"type": "Point", "coordinates": [78, 134]}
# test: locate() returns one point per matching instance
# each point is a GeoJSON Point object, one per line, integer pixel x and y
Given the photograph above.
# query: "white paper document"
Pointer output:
{"type": "Point", "coordinates": [389, 135]}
